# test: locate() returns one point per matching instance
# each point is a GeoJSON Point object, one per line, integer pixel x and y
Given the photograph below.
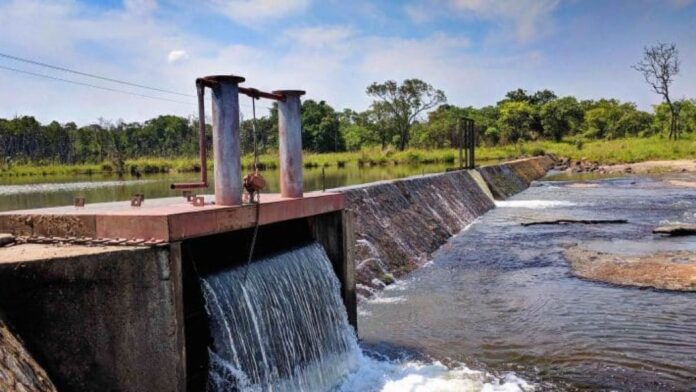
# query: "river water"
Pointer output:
{"type": "Point", "coordinates": [500, 296]}
{"type": "Point", "coordinates": [49, 191]}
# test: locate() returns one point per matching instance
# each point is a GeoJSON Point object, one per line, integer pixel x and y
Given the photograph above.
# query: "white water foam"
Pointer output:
{"type": "Point", "coordinates": [380, 375]}
{"type": "Point", "coordinates": [533, 204]}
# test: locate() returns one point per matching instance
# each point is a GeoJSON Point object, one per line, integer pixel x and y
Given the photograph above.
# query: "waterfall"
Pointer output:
{"type": "Point", "coordinates": [281, 327]}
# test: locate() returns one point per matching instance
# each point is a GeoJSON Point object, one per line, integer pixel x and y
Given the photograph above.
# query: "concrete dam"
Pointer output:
{"type": "Point", "coordinates": [181, 294]}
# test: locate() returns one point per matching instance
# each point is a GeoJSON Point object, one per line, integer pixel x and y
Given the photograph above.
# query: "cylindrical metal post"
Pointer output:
{"type": "Point", "coordinates": [290, 143]}
{"type": "Point", "coordinates": [226, 149]}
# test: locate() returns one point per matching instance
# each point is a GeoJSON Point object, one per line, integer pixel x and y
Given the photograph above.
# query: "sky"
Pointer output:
{"type": "Point", "coordinates": [474, 50]}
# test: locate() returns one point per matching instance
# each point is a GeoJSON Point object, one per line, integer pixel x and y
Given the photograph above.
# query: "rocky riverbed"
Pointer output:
{"type": "Point", "coordinates": [585, 165]}
{"type": "Point", "coordinates": [664, 270]}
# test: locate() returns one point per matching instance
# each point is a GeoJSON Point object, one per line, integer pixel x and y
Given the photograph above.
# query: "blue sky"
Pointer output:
{"type": "Point", "coordinates": [474, 50]}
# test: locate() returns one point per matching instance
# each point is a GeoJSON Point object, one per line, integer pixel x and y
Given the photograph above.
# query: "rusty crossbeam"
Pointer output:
{"type": "Point", "coordinates": [211, 82]}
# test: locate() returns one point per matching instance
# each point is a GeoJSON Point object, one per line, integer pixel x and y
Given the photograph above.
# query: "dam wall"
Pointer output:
{"type": "Point", "coordinates": [134, 316]}
{"type": "Point", "coordinates": [509, 178]}
{"type": "Point", "coordinates": [399, 223]}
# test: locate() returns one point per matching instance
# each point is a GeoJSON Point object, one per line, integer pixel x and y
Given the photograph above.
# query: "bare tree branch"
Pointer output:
{"type": "Point", "coordinates": [659, 66]}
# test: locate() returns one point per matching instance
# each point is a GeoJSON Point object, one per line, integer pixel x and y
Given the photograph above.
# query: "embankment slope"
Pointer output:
{"type": "Point", "coordinates": [398, 224]}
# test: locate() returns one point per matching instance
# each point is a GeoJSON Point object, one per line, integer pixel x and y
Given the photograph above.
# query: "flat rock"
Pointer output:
{"type": "Point", "coordinates": [676, 229]}
{"type": "Point", "coordinates": [6, 239]}
{"type": "Point", "coordinates": [665, 270]}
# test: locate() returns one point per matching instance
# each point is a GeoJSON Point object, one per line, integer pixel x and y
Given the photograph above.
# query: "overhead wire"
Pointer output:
{"type": "Point", "coordinates": [105, 78]}
{"type": "Point", "coordinates": [91, 75]}
{"type": "Point", "coordinates": [90, 85]}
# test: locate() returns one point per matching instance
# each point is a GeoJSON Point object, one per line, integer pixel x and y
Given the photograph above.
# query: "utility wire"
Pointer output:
{"type": "Point", "coordinates": [5, 55]}
{"type": "Point", "coordinates": [90, 75]}
{"type": "Point", "coordinates": [91, 85]}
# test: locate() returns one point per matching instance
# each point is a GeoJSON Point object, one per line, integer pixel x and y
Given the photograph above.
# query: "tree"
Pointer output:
{"type": "Point", "coordinates": [515, 121]}
{"type": "Point", "coordinates": [611, 119]}
{"type": "Point", "coordinates": [660, 65]}
{"type": "Point", "coordinates": [320, 127]}
{"type": "Point", "coordinates": [687, 116]}
{"type": "Point", "coordinates": [561, 117]}
{"type": "Point", "coordinates": [404, 103]}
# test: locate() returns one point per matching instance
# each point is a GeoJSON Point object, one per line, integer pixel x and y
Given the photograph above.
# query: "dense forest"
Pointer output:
{"type": "Point", "coordinates": [410, 114]}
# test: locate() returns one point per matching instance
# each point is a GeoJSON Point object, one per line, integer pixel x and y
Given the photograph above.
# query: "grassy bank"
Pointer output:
{"type": "Point", "coordinates": [607, 152]}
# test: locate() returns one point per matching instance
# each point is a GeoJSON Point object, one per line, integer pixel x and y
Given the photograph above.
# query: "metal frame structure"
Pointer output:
{"type": "Point", "coordinates": [225, 91]}
{"type": "Point", "coordinates": [467, 143]}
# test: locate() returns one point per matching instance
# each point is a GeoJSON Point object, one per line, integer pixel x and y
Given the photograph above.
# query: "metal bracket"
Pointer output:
{"type": "Point", "coordinates": [79, 201]}
{"type": "Point", "coordinates": [137, 200]}
{"type": "Point", "coordinates": [198, 201]}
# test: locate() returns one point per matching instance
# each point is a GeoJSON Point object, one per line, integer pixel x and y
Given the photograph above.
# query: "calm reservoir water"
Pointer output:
{"type": "Point", "coordinates": [500, 296]}
{"type": "Point", "coordinates": [49, 191]}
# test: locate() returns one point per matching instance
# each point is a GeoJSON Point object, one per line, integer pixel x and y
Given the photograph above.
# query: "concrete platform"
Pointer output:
{"type": "Point", "coordinates": [166, 219]}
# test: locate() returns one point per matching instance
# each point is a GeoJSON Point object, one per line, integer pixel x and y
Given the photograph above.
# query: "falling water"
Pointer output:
{"type": "Point", "coordinates": [281, 325]}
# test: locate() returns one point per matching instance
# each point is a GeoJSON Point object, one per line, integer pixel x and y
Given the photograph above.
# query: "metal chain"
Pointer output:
{"type": "Point", "coordinates": [253, 130]}
{"type": "Point", "coordinates": [258, 194]}
{"type": "Point", "coordinates": [89, 241]}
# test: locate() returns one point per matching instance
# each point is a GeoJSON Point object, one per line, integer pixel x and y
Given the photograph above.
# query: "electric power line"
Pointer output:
{"type": "Point", "coordinates": [91, 85]}
{"type": "Point", "coordinates": [90, 75]}
{"type": "Point", "coordinates": [97, 77]}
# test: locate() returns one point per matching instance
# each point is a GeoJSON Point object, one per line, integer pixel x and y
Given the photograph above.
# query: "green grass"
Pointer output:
{"type": "Point", "coordinates": [628, 150]}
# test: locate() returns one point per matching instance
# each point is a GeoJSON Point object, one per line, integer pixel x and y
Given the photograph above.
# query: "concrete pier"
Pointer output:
{"type": "Point", "coordinates": [290, 143]}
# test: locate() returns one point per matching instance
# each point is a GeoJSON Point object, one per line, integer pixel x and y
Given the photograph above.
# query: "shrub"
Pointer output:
{"type": "Point", "coordinates": [538, 151]}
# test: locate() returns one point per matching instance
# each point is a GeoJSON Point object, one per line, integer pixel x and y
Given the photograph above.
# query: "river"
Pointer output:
{"type": "Point", "coordinates": [500, 296]}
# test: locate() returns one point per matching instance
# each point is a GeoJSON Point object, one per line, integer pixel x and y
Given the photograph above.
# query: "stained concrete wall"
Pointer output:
{"type": "Point", "coordinates": [398, 224]}
{"type": "Point", "coordinates": [509, 178]}
{"type": "Point", "coordinates": [98, 319]}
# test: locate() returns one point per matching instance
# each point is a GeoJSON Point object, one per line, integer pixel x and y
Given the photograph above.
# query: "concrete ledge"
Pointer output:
{"type": "Point", "coordinates": [166, 219]}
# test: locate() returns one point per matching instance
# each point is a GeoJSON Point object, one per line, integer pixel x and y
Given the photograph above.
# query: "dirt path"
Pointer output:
{"type": "Point", "coordinates": [682, 165]}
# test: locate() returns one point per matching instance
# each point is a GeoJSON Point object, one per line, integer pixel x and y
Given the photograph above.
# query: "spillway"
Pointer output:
{"type": "Point", "coordinates": [279, 324]}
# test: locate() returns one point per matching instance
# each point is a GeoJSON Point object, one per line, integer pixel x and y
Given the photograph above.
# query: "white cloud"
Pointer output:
{"type": "Point", "coordinates": [320, 36]}
{"type": "Point", "coordinates": [140, 7]}
{"type": "Point", "coordinates": [253, 12]}
{"type": "Point", "coordinates": [522, 20]}
{"type": "Point", "coordinates": [529, 17]}
{"type": "Point", "coordinates": [177, 56]}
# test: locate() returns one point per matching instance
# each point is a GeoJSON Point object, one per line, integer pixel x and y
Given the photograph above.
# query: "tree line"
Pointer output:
{"type": "Point", "coordinates": [395, 121]}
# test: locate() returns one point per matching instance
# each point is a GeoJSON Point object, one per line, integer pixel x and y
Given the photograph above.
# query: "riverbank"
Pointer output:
{"type": "Point", "coordinates": [600, 153]}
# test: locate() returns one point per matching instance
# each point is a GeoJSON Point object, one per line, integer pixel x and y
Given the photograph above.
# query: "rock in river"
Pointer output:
{"type": "Point", "coordinates": [676, 229]}
{"type": "Point", "coordinates": [665, 270]}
